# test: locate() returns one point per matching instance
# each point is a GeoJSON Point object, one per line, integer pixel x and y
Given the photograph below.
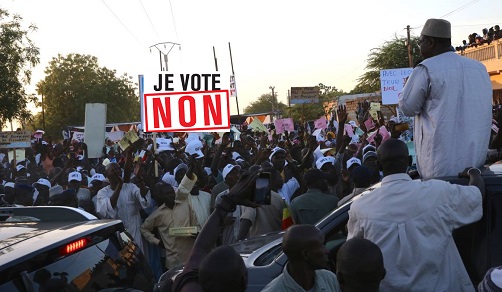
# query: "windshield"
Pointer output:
{"type": "Point", "coordinates": [250, 245]}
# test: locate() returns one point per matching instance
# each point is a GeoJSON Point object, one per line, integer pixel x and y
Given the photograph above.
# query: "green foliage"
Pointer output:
{"type": "Point", "coordinates": [392, 54]}
{"type": "Point", "coordinates": [17, 55]}
{"type": "Point", "coordinates": [72, 81]}
{"type": "Point", "coordinates": [265, 103]}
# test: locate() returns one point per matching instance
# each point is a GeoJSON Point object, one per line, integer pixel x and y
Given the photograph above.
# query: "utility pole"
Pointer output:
{"type": "Point", "coordinates": [273, 99]}
{"type": "Point", "coordinates": [161, 53]}
{"type": "Point", "coordinates": [410, 56]}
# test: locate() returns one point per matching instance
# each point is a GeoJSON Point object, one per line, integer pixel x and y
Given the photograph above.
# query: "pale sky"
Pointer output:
{"type": "Point", "coordinates": [274, 43]}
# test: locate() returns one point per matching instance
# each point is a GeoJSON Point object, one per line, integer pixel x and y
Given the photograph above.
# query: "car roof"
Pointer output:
{"type": "Point", "coordinates": [25, 231]}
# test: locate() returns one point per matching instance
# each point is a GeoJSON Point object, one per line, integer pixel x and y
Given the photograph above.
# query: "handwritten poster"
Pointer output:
{"type": "Point", "coordinates": [392, 83]}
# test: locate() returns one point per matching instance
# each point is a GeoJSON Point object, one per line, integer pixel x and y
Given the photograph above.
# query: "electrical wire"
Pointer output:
{"type": "Point", "coordinates": [122, 23]}
{"type": "Point", "coordinates": [174, 22]}
{"type": "Point", "coordinates": [452, 12]}
{"type": "Point", "coordinates": [148, 16]}
{"type": "Point", "coordinates": [458, 9]}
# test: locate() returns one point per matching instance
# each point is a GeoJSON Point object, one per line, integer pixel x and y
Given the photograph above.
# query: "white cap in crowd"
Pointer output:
{"type": "Point", "coordinates": [353, 161]}
{"type": "Point", "coordinates": [323, 160]}
{"type": "Point", "coordinates": [228, 169]}
{"type": "Point", "coordinates": [75, 176]}
{"type": "Point", "coordinates": [194, 147]}
{"type": "Point", "coordinates": [43, 182]}
{"type": "Point", "coordinates": [98, 177]}
{"type": "Point", "coordinates": [275, 151]}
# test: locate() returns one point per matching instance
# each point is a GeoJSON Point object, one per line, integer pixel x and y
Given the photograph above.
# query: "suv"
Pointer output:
{"type": "Point", "coordinates": [63, 248]}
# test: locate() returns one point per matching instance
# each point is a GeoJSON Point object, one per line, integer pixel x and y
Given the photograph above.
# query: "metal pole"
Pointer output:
{"type": "Point", "coordinates": [216, 61]}
{"type": "Point", "coordinates": [232, 64]}
{"type": "Point", "coordinates": [410, 56]}
{"type": "Point", "coordinates": [160, 60]}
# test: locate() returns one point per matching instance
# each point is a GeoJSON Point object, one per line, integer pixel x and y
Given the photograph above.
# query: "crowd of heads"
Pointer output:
{"type": "Point", "coordinates": [328, 160]}
{"type": "Point", "coordinates": [487, 36]}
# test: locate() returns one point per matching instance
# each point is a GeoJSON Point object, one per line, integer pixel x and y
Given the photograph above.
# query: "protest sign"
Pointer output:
{"type": "Point", "coordinates": [301, 95]}
{"type": "Point", "coordinates": [392, 83]}
{"type": "Point", "coordinates": [348, 130]}
{"type": "Point", "coordinates": [233, 88]}
{"type": "Point", "coordinates": [114, 136]}
{"type": "Point", "coordinates": [20, 154]}
{"type": "Point", "coordinates": [369, 124]}
{"type": "Point", "coordinates": [79, 136]}
{"type": "Point", "coordinates": [128, 139]}
{"type": "Point", "coordinates": [282, 125]}
{"type": "Point", "coordinates": [374, 109]}
{"type": "Point", "coordinates": [320, 123]}
{"type": "Point", "coordinates": [15, 139]}
{"type": "Point", "coordinates": [184, 102]}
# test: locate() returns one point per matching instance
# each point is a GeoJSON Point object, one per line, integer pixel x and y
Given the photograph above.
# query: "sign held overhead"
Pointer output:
{"type": "Point", "coordinates": [300, 95]}
{"type": "Point", "coordinates": [15, 139]}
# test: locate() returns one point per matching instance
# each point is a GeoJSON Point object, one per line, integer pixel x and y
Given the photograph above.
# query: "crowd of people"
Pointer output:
{"type": "Point", "coordinates": [474, 39]}
{"type": "Point", "coordinates": [189, 196]}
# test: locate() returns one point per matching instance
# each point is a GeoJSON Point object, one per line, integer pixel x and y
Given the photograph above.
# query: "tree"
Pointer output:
{"type": "Point", "coordinates": [75, 80]}
{"type": "Point", "coordinates": [17, 55]}
{"type": "Point", "coordinates": [265, 103]}
{"type": "Point", "coordinates": [392, 54]}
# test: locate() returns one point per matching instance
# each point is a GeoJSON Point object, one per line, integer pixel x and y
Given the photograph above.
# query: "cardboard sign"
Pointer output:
{"type": "Point", "coordinates": [301, 95]}
{"type": "Point", "coordinates": [233, 88]}
{"type": "Point", "coordinates": [20, 155]}
{"type": "Point", "coordinates": [128, 139]}
{"type": "Point", "coordinates": [282, 125]}
{"type": "Point", "coordinates": [369, 124]}
{"type": "Point", "coordinates": [184, 103]}
{"type": "Point", "coordinates": [79, 136]}
{"type": "Point", "coordinates": [15, 139]}
{"type": "Point", "coordinates": [392, 83]}
{"type": "Point", "coordinates": [348, 130]}
{"type": "Point", "coordinates": [320, 123]}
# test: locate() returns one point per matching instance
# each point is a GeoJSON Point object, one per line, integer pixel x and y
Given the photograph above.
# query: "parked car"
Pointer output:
{"type": "Point", "coordinates": [63, 248]}
{"type": "Point", "coordinates": [478, 243]}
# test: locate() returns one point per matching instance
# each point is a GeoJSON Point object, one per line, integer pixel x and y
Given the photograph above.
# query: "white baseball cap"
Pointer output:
{"type": "Point", "coordinates": [274, 151]}
{"type": "Point", "coordinates": [323, 160]}
{"type": "Point", "coordinates": [228, 169]}
{"type": "Point", "coordinates": [194, 147]}
{"type": "Point", "coordinates": [75, 176]}
{"type": "Point", "coordinates": [352, 161]}
{"type": "Point", "coordinates": [43, 182]}
{"type": "Point", "coordinates": [19, 167]}
{"type": "Point", "coordinates": [98, 176]}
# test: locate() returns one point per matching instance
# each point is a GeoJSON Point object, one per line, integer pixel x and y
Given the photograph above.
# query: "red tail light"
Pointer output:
{"type": "Point", "coordinates": [74, 246]}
